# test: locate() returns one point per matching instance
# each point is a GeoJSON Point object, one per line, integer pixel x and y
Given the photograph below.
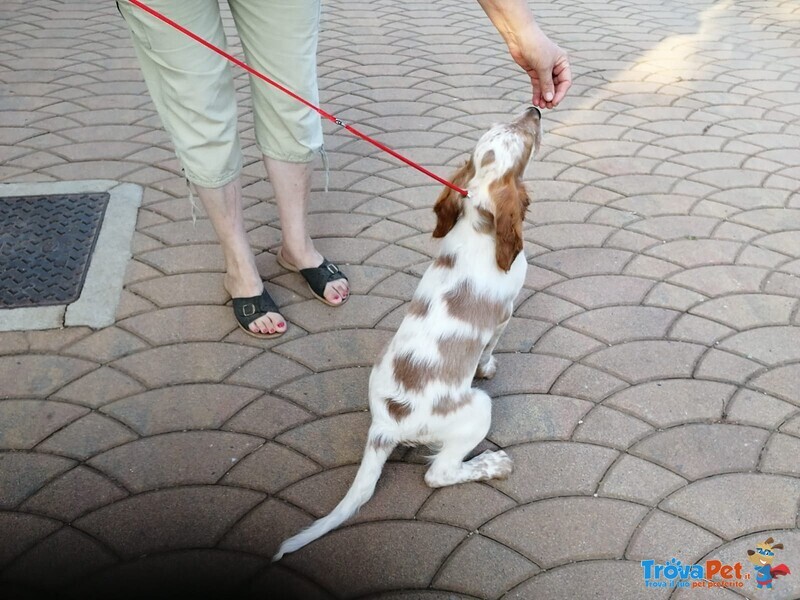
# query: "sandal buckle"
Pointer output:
{"type": "Point", "coordinates": [248, 310]}
{"type": "Point", "coordinates": [333, 268]}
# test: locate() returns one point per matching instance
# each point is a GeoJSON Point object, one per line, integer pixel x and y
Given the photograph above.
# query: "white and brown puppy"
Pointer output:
{"type": "Point", "coordinates": [420, 389]}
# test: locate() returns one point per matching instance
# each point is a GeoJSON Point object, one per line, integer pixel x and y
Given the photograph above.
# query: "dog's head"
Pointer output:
{"type": "Point", "coordinates": [493, 177]}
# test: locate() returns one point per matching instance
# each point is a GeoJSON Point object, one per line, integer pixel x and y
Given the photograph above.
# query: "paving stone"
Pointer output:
{"type": "Point", "coordinates": [266, 372]}
{"type": "Point", "coordinates": [331, 392]}
{"type": "Point", "coordinates": [618, 324]}
{"type": "Point", "coordinates": [330, 441]}
{"type": "Point", "coordinates": [780, 447]}
{"type": "Point", "coordinates": [577, 262]}
{"type": "Point", "coordinates": [671, 296]}
{"type": "Point", "coordinates": [183, 289]}
{"type": "Point", "coordinates": [99, 387]}
{"type": "Point", "coordinates": [39, 375]}
{"type": "Point", "coordinates": [361, 312]}
{"type": "Point", "coordinates": [283, 583]}
{"type": "Point", "coordinates": [618, 579]}
{"type": "Point", "coordinates": [638, 480]}
{"type": "Point", "coordinates": [781, 382]}
{"type": "Point", "coordinates": [21, 531]}
{"type": "Point", "coordinates": [185, 363]}
{"type": "Point", "coordinates": [24, 423]}
{"type": "Point", "coordinates": [689, 328]}
{"type": "Point", "coordinates": [610, 427]}
{"type": "Point", "coordinates": [468, 505]}
{"type": "Point", "coordinates": [336, 349]}
{"type": "Point", "coordinates": [721, 279]}
{"type": "Point", "coordinates": [74, 493]}
{"type": "Point", "coordinates": [662, 536]}
{"type": "Point", "coordinates": [182, 324]}
{"type": "Point", "coordinates": [640, 361]}
{"type": "Point", "coordinates": [586, 529]}
{"type": "Point", "coordinates": [270, 468]}
{"type": "Point", "coordinates": [23, 473]}
{"type": "Point", "coordinates": [547, 308]}
{"type": "Point", "coordinates": [672, 402]}
{"type": "Point", "coordinates": [400, 493]}
{"type": "Point", "coordinates": [748, 407]}
{"type": "Point", "coordinates": [532, 417]}
{"type": "Point", "coordinates": [791, 426]}
{"type": "Point", "coordinates": [735, 504]}
{"type": "Point", "coordinates": [769, 345]}
{"type": "Point", "coordinates": [87, 436]}
{"type": "Point", "coordinates": [66, 556]}
{"type": "Point", "coordinates": [698, 450]}
{"type": "Point", "coordinates": [390, 556]}
{"type": "Point", "coordinates": [524, 374]}
{"type": "Point", "coordinates": [563, 342]}
{"type": "Point", "coordinates": [181, 407]}
{"type": "Point", "coordinates": [168, 519]}
{"type": "Point", "coordinates": [547, 469]}
{"type": "Point", "coordinates": [483, 568]}
{"type": "Point", "coordinates": [193, 457]}
{"type": "Point", "coordinates": [194, 572]}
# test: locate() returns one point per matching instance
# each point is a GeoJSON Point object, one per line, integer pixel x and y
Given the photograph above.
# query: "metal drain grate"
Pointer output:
{"type": "Point", "coordinates": [46, 243]}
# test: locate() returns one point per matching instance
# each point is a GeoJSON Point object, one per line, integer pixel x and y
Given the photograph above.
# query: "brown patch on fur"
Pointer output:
{"type": "Point", "coordinates": [444, 261]}
{"type": "Point", "coordinates": [446, 404]}
{"type": "Point", "coordinates": [459, 358]}
{"type": "Point", "coordinates": [412, 375]}
{"type": "Point", "coordinates": [419, 307]}
{"type": "Point", "coordinates": [397, 410]}
{"type": "Point", "coordinates": [485, 221]}
{"type": "Point", "coordinates": [465, 304]}
{"type": "Point", "coordinates": [510, 201]}
{"type": "Point", "coordinates": [450, 203]}
{"type": "Point", "coordinates": [488, 158]}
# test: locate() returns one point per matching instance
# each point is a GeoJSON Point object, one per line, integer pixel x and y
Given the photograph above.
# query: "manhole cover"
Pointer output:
{"type": "Point", "coordinates": [46, 243]}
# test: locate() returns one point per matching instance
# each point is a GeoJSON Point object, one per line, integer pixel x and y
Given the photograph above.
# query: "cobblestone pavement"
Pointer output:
{"type": "Point", "coordinates": [648, 388]}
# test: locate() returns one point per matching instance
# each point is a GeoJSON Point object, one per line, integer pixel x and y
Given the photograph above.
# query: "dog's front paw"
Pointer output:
{"type": "Point", "coordinates": [487, 371]}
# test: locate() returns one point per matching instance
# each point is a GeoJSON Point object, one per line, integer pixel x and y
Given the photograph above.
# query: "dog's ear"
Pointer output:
{"type": "Point", "coordinates": [450, 203]}
{"type": "Point", "coordinates": [510, 201]}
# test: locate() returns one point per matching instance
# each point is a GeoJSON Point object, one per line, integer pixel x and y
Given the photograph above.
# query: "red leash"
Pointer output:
{"type": "Point", "coordinates": [289, 92]}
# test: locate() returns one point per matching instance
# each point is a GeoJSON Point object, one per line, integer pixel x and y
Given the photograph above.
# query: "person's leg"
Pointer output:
{"type": "Point", "coordinates": [292, 185]}
{"type": "Point", "coordinates": [192, 89]}
{"type": "Point", "coordinates": [280, 38]}
{"type": "Point", "coordinates": [224, 208]}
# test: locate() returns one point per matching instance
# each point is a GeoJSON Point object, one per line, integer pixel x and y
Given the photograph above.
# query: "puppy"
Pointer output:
{"type": "Point", "coordinates": [420, 389]}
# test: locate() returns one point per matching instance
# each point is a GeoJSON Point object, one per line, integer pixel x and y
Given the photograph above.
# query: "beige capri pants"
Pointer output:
{"type": "Point", "coordinates": [192, 87]}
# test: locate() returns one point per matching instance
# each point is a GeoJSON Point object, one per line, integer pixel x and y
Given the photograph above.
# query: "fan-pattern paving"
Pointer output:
{"type": "Point", "coordinates": [647, 389]}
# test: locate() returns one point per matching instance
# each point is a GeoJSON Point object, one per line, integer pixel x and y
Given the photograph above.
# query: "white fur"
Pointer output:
{"type": "Point", "coordinates": [459, 431]}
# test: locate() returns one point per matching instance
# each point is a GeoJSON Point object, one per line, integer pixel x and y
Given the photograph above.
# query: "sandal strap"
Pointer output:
{"type": "Point", "coordinates": [318, 277]}
{"type": "Point", "coordinates": [248, 310]}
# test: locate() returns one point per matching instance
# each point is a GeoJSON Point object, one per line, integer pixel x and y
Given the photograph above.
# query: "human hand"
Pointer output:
{"type": "Point", "coordinates": [545, 63]}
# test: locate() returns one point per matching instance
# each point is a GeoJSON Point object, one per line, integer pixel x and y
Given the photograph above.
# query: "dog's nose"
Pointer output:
{"type": "Point", "coordinates": [532, 111]}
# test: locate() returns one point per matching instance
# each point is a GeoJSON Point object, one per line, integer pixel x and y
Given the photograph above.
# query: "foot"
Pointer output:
{"type": "Point", "coordinates": [490, 465]}
{"type": "Point", "coordinates": [239, 287]}
{"type": "Point", "coordinates": [487, 370]}
{"type": "Point", "coordinates": [336, 291]}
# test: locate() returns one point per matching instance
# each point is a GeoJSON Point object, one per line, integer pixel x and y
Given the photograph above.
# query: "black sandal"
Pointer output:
{"type": "Point", "coordinates": [317, 277]}
{"type": "Point", "coordinates": [247, 310]}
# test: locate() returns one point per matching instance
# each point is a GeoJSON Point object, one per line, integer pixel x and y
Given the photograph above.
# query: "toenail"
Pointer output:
{"type": "Point", "coordinates": [281, 325]}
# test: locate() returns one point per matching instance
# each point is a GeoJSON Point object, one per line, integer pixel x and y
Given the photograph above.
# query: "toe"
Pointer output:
{"type": "Point", "coordinates": [277, 321]}
{"type": "Point", "coordinates": [332, 294]}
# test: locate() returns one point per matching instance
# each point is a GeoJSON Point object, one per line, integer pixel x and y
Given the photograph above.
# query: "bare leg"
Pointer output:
{"type": "Point", "coordinates": [470, 425]}
{"type": "Point", "coordinates": [292, 185]}
{"type": "Point", "coordinates": [224, 208]}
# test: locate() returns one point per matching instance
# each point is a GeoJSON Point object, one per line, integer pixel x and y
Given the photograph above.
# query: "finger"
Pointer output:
{"type": "Point", "coordinates": [564, 80]}
{"type": "Point", "coordinates": [546, 84]}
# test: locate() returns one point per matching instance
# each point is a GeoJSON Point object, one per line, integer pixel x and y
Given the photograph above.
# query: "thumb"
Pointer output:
{"type": "Point", "coordinates": [546, 84]}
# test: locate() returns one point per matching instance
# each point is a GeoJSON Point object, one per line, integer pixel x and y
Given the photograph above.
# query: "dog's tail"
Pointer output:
{"type": "Point", "coordinates": [375, 455]}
